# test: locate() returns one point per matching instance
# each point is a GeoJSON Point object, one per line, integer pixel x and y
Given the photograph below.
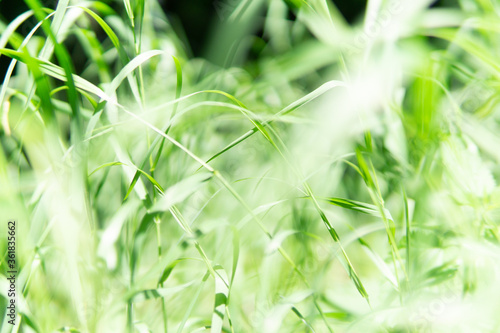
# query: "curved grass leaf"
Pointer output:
{"type": "Point", "coordinates": [138, 172]}
{"type": "Point", "coordinates": [180, 191]}
{"type": "Point", "coordinates": [290, 108]}
{"type": "Point", "coordinates": [110, 33]}
{"type": "Point", "coordinates": [105, 166]}
{"type": "Point", "coordinates": [357, 206]}
{"type": "Point", "coordinates": [168, 270]}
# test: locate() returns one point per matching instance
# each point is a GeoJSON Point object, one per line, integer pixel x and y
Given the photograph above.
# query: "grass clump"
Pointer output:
{"type": "Point", "coordinates": [320, 176]}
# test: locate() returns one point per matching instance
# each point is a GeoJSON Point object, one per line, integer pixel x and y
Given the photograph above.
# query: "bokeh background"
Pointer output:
{"type": "Point", "coordinates": [253, 166]}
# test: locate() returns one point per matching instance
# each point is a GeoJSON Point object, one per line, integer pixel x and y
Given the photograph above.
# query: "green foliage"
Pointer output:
{"type": "Point", "coordinates": [341, 179]}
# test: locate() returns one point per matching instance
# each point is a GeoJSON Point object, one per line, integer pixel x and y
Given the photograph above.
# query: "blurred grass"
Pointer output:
{"type": "Point", "coordinates": [317, 176]}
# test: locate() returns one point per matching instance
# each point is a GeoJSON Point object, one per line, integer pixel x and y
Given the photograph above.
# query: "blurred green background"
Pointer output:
{"type": "Point", "coordinates": [348, 179]}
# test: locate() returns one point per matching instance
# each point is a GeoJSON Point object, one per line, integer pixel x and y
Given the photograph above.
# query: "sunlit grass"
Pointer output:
{"type": "Point", "coordinates": [344, 180]}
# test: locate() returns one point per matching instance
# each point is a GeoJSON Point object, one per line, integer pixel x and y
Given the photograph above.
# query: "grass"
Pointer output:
{"type": "Point", "coordinates": [342, 179]}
